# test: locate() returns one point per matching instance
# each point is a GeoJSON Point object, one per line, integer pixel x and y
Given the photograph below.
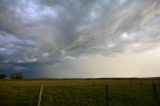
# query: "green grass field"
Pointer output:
{"type": "Point", "coordinates": [126, 92]}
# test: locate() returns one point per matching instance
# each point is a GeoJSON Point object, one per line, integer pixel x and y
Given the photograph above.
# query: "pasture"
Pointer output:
{"type": "Point", "coordinates": [81, 92]}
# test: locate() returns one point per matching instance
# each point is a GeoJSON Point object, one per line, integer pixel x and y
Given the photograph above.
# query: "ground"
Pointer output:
{"type": "Point", "coordinates": [81, 92]}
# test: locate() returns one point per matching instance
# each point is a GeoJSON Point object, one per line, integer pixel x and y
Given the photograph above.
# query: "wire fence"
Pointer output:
{"type": "Point", "coordinates": [144, 94]}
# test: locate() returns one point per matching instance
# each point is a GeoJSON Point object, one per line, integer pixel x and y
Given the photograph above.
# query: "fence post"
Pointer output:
{"type": "Point", "coordinates": [141, 82]}
{"type": "Point", "coordinates": [155, 93]}
{"type": "Point", "coordinates": [92, 82]}
{"type": "Point", "coordinates": [106, 95]}
{"type": "Point", "coordinates": [130, 80]}
{"type": "Point", "coordinates": [40, 95]}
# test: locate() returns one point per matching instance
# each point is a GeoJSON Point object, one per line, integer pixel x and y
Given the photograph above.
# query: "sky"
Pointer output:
{"type": "Point", "coordinates": [80, 38]}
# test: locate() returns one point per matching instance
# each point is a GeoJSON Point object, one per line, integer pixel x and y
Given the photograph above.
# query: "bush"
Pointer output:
{"type": "Point", "coordinates": [2, 76]}
{"type": "Point", "coordinates": [16, 75]}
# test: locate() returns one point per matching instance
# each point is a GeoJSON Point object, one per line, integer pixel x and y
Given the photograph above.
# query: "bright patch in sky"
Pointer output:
{"type": "Point", "coordinates": [125, 36]}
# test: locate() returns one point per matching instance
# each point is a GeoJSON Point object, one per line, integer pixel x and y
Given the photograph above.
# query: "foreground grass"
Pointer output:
{"type": "Point", "coordinates": [73, 96]}
{"type": "Point", "coordinates": [79, 92]}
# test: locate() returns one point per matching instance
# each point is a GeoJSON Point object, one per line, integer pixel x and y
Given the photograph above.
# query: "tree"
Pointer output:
{"type": "Point", "coordinates": [2, 76]}
{"type": "Point", "coordinates": [16, 75]}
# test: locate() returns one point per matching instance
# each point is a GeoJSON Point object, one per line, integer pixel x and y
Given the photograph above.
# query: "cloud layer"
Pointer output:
{"type": "Point", "coordinates": [49, 30]}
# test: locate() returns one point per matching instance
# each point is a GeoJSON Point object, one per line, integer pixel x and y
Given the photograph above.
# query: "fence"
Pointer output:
{"type": "Point", "coordinates": [141, 94]}
{"type": "Point", "coordinates": [133, 102]}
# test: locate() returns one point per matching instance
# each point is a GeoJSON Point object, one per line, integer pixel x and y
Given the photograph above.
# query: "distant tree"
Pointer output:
{"type": "Point", "coordinates": [2, 76]}
{"type": "Point", "coordinates": [16, 75]}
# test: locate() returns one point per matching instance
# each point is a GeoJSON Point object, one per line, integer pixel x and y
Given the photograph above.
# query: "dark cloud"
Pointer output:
{"type": "Point", "coordinates": [49, 30]}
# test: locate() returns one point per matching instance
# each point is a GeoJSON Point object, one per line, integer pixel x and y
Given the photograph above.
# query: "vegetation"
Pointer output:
{"type": "Point", "coordinates": [16, 75]}
{"type": "Point", "coordinates": [2, 76]}
{"type": "Point", "coordinates": [126, 92]}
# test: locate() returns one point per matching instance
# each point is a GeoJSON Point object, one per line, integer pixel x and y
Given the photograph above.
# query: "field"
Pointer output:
{"type": "Point", "coordinates": [84, 92]}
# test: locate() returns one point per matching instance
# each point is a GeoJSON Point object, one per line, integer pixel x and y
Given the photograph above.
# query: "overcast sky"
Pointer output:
{"type": "Point", "coordinates": [80, 38]}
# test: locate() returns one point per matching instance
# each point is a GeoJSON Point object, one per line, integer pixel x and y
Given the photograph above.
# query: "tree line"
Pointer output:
{"type": "Point", "coordinates": [14, 75]}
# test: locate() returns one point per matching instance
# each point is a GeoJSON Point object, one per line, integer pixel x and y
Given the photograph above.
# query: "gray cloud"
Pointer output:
{"type": "Point", "coordinates": [49, 30]}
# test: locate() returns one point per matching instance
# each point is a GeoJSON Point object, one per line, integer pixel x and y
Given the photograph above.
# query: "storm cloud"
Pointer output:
{"type": "Point", "coordinates": [49, 31]}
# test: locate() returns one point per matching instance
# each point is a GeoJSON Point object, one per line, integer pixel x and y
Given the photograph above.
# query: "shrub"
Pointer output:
{"type": "Point", "coordinates": [2, 76]}
{"type": "Point", "coordinates": [16, 75]}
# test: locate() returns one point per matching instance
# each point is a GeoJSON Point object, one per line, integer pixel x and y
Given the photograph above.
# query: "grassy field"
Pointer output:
{"type": "Point", "coordinates": [121, 92]}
